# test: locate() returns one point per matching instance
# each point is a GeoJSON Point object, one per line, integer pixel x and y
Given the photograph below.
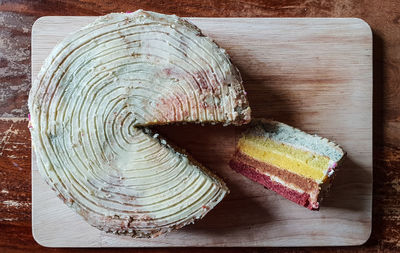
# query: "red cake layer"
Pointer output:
{"type": "Point", "coordinates": [250, 172]}
{"type": "Point", "coordinates": [302, 183]}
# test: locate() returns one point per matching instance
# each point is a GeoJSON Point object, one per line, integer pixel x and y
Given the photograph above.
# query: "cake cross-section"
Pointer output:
{"type": "Point", "coordinates": [297, 165]}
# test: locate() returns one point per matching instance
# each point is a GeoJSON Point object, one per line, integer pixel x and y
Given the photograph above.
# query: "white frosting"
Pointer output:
{"type": "Point", "coordinates": [282, 182]}
{"type": "Point", "coordinates": [294, 137]}
{"type": "Point", "coordinates": [97, 86]}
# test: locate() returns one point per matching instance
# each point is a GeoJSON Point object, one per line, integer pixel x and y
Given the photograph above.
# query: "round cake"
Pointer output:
{"type": "Point", "coordinates": [91, 104]}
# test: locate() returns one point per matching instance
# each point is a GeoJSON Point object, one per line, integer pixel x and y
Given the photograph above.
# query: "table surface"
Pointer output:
{"type": "Point", "coordinates": [17, 17]}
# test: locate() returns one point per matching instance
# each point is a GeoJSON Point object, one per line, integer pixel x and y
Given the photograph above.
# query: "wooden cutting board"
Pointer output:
{"type": "Point", "coordinates": [315, 74]}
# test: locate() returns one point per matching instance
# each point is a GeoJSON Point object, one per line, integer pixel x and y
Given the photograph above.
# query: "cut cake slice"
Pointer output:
{"type": "Point", "coordinates": [297, 165]}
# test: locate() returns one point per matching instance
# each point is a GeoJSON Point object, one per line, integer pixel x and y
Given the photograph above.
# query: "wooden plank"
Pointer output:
{"type": "Point", "coordinates": [315, 74]}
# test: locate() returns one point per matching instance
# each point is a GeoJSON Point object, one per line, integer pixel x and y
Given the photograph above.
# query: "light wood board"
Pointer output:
{"type": "Point", "coordinates": [315, 74]}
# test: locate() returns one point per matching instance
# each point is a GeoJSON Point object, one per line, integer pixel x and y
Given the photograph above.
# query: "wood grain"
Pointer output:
{"type": "Point", "coordinates": [333, 62]}
{"type": "Point", "coordinates": [383, 17]}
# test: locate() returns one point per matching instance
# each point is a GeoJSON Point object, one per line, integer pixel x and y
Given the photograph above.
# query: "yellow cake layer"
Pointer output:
{"type": "Point", "coordinates": [286, 157]}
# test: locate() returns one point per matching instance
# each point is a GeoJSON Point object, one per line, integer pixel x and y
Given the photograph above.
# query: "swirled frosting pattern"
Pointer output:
{"type": "Point", "coordinates": [90, 105]}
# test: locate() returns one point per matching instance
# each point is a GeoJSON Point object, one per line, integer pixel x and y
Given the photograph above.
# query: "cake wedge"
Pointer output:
{"type": "Point", "coordinates": [294, 164]}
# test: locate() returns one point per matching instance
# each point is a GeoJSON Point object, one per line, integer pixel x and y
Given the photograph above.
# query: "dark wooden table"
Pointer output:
{"type": "Point", "coordinates": [17, 17]}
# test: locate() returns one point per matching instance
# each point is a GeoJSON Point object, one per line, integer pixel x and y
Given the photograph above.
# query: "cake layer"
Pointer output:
{"type": "Point", "coordinates": [301, 198]}
{"type": "Point", "coordinates": [282, 133]}
{"type": "Point", "coordinates": [291, 180]}
{"type": "Point", "coordinates": [299, 161]}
